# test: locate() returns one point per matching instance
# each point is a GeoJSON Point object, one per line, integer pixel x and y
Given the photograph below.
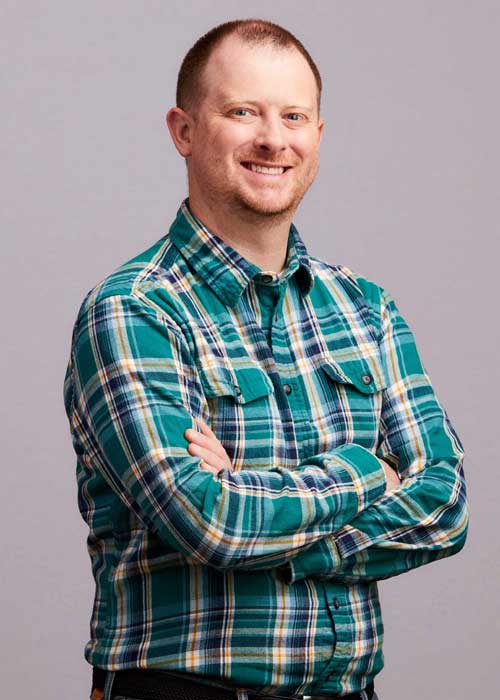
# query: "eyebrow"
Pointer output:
{"type": "Point", "coordinates": [256, 104]}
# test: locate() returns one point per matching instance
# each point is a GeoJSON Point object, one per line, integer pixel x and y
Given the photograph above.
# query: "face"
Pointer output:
{"type": "Point", "coordinates": [259, 111]}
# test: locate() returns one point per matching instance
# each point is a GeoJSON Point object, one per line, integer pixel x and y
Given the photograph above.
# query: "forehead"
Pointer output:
{"type": "Point", "coordinates": [237, 70]}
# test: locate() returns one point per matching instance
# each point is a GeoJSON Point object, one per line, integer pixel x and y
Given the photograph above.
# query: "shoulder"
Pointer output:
{"type": "Point", "coordinates": [346, 277]}
{"type": "Point", "coordinates": [138, 279]}
{"type": "Point", "coordinates": [352, 285]}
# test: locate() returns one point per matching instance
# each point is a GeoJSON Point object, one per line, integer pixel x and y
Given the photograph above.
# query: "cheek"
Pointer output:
{"type": "Point", "coordinates": [225, 138]}
{"type": "Point", "coordinates": [234, 142]}
{"type": "Point", "coordinates": [306, 146]}
{"type": "Point", "coordinates": [209, 157]}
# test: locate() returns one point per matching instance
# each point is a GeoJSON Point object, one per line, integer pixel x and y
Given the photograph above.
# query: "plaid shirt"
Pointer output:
{"type": "Point", "coordinates": [265, 576]}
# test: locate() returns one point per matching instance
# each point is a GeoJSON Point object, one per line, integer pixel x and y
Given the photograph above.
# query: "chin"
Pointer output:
{"type": "Point", "coordinates": [271, 210]}
{"type": "Point", "coordinates": [268, 207]}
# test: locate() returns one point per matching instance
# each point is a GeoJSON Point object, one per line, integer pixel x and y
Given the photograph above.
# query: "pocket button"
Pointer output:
{"type": "Point", "coordinates": [367, 379]}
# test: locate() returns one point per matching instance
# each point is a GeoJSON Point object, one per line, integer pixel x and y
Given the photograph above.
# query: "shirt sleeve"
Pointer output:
{"type": "Point", "coordinates": [135, 391]}
{"type": "Point", "coordinates": [426, 517]}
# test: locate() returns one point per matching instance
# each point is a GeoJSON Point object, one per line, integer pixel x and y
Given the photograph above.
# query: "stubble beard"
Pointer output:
{"type": "Point", "coordinates": [249, 207]}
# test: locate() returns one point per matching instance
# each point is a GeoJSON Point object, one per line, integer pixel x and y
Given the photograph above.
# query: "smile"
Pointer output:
{"type": "Point", "coordinates": [271, 170]}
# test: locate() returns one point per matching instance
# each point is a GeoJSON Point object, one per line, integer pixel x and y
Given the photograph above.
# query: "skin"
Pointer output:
{"type": "Point", "coordinates": [259, 105]}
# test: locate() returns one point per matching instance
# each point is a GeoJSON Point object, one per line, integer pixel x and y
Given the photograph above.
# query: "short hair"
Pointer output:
{"type": "Point", "coordinates": [190, 91]}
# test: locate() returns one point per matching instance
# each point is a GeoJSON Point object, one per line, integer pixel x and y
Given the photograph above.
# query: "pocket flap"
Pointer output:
{"type": "Point", "coordinates": [366, 375]}
{"type": "Point", "coordinates": [244, 384]}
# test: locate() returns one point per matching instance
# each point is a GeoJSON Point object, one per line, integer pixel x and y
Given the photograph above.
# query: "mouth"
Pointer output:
{"type": "Point", "coordinates": [267, 171]}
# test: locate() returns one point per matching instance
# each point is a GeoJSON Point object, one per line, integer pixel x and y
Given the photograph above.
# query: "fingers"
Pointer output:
{"type": "Point", "coordinates": [206, 429]}
{"type": "Point", "coordinates": [207, 442]}
{"type": "Point", "coordinates": [207, 468]}
{"type": "Point", "coordinates": [392, 477]}
{"type": "Point", "coordinates": [206, 455]}
{"type": "Point", "coordinates": [208, 447]}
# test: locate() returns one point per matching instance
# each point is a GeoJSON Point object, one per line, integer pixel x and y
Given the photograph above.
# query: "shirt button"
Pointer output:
{"type": "Point", "coordinates": [276, 316]}
{"type": "Point", "coordinates": [266, 278]}
{"type": "Point", "coordinates": [287, 388]}
{"type": "Point", "coordinates": [366, 378]}
{"type": "Point", "coordinates": [237, 390]}
{"type": "Point", "coordinates": [336, 603]}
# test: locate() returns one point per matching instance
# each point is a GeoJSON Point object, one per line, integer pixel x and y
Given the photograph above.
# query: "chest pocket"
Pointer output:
{"type": "Point", "coordinates": [351, 395]}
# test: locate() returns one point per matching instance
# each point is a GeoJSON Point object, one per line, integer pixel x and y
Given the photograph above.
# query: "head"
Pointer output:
{"type": "Point", "coordinates": [248, 95]}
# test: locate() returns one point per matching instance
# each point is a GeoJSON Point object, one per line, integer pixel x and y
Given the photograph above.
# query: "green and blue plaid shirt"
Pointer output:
{"type": "Point", "coordinates": [263, 577]}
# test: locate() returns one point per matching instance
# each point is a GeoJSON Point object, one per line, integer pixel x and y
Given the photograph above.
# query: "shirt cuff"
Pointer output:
{"type": "Point", "coordinates": [322, 559]}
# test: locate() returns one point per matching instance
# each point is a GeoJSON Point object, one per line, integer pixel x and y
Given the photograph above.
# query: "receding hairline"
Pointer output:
{"type": "Point", "coordinates": [221, 92]}
{"type": "Point", "coordinates": [251, 32]}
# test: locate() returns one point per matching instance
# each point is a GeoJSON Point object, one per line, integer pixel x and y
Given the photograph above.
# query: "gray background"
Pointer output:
{"type": "Point", "coordinates": [407, 194]}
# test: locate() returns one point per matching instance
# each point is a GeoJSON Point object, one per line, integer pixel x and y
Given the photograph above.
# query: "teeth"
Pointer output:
{"type": "Point", "coordinates": [267, 171]}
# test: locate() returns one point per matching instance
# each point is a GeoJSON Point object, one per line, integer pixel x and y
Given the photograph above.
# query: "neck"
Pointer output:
{"type": "Point", "coordinates": [260, 239]}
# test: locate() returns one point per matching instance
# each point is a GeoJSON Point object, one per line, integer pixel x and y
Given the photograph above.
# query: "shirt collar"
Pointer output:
{"type": "Point", "coordinates": [226, 271]}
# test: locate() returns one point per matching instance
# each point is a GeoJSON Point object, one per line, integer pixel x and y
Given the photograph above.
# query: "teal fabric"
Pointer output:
{"type": "Point", "coordinates": [265, 576]}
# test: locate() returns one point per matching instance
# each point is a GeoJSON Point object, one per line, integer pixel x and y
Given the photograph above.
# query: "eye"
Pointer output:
{"type": "Point", "coordinates": [295, 114]}
{"type": "Point", "coordinates": [240, 109]}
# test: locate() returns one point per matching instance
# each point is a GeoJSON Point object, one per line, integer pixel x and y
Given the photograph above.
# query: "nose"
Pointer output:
{"type": "Point", "coordinates": [270, 136]}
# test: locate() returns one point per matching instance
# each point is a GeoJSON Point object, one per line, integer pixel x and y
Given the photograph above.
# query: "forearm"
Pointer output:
{"type": "Point", "coordinates": [249, 519]}
{"type": "Point", "coordinates": [426, 518]}
{"type": "Point", "coordinates": [423, 521]}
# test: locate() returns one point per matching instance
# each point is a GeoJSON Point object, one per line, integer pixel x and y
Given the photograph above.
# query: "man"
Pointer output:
{"type": "Point", "coordinates": [257, 440]}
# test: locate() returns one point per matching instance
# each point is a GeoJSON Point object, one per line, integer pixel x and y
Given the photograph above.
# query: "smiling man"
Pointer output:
{"type": "Point", "coordinates": [257, 440]}
{"type": "Point", "coordinates": [251, 142]}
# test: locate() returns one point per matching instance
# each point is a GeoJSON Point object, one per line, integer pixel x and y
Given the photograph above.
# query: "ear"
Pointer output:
{"type": "Point", "coordinates": [321, 124]}
{"type": "Point", "coordinates": [181, 127]}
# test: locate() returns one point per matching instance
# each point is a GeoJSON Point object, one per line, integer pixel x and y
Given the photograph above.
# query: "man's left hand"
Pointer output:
{"type": "Point", "coordinates": [207, 446]}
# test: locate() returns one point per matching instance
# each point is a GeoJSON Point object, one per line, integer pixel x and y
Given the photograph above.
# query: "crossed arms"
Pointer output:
{"type": "Point", "coordinates": [134, 393]}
